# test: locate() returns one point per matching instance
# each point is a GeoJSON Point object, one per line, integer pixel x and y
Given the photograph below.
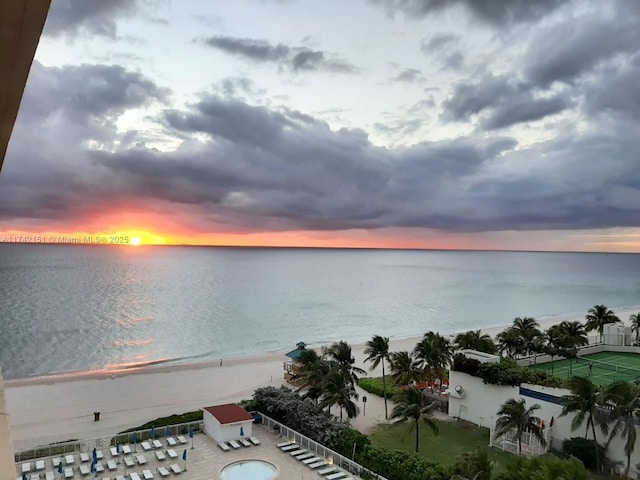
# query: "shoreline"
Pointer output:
{"type": "Point", "coordinates": [169, 366]}
{"type": "Point", "coordinates": [44, 410]}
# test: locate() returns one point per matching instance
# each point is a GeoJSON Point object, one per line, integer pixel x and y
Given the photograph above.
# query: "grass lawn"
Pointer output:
{"type": "Point", "coordinates": [454, 438]}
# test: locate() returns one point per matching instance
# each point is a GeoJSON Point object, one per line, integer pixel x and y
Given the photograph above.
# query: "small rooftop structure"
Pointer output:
{"type": "Point", "coordinates": [482, 357]}
{"type": "Point", "coordinates": [227, 422]}
{"type": "Point", "coordinates": [292, 366]}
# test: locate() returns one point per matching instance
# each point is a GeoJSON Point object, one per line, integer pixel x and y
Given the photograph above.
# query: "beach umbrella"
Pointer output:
{"type": "Point", "coordinates": [191, 437]}
{"type": "Point", "coordinates": [167, 431]}
{"type": "Point", "coordinates": [153, 432]}
{"type": "Point", "coordinates": [118, 448]}
{"type": "Point", "coordinates": [241, 431]}
{"type": "Point", "coordinates": [134, 439]}
{"type": "Point", "coordinates": [24, 476]}
{"type": "Point", "coordinates": [93, 467]}
{"type": "Point", "coordinates": [184, 457]}
{"type": "Point", "coordinates": [95, 456]}
{"type": "Point", "coordinates": [60, 467]}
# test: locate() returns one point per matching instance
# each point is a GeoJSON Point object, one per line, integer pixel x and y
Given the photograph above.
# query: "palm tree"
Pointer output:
{"type": "Point", "coordinates": [411, 405]}
{"type": "Point", "coordinates": [554, 342]}
{"type": "Point", "coordinates": [514, 414]}
{"type": "Point", "coordinates": [583, 401]}
{"type": "Point", "coordinates": [338, 390]}
{"type": "Point", "coordinates": [635, 325]}
{"type": "Point", "coordinates": [405, 369]}
{"type": "Point", "coordinates": [509, 342]}
{"type": "Point", "coordinates": [312, 374]}
{"type": "Point", "coordinates": [340, 352]}
{"type": "Point", "coordinates": [626, 400]}
{"type": "Point", "coordinates": [475, 465]}
{"type": "Point", "coordinates": [435, 352]}
{"type": "Point", "coordinates": [475, 340]}
{"type": "Point", "coordinates": [599, 316]}
{"type": "Point", "coordinates": [573, 334]}
{"type": "Point", "coordinates": [377, 352]}
{"type": "Point", "coordinates": [527, 329]}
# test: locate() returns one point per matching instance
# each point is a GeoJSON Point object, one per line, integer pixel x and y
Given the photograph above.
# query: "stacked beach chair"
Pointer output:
{"type": "Point", "coordinates": [314, 462]}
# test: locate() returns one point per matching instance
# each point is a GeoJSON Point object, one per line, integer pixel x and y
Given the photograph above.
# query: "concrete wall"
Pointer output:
{"type": "Point", "coordinates": [479, 404]}
{"type": "Point", "coordinates": [224, 433]}
{"type": "Point", "coordinates": [525, 362]}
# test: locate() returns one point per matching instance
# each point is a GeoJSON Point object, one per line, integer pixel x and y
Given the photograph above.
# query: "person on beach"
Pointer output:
{"type": "Point", "coordinates": [220, 362]}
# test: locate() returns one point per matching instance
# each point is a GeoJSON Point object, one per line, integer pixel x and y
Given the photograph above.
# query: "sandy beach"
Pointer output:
{"type": "Point", "coordinates": [58, 408]}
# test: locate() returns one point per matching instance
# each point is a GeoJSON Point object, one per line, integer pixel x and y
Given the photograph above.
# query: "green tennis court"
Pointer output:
{"type": "Point", "coordinates": [604, 368]}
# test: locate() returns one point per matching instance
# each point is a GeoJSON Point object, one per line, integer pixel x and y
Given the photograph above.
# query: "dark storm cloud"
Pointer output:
{"type": "Point", "coordinates": [501, 102]}
{"type": "Point", "coordinates": [616, 92]}
{"type": "Point", "coordinates": [495, 12]}
{"type": "Point", "coordinates": [567, 50]}
{"type": "Point", "coordinates": [83, 91]}
{"type": "Point", "coordinates": [96, 17]}
{"type": "Point", "coordinates": [437, 42]}
{"type": "Point", "coordinates": [292, 58]}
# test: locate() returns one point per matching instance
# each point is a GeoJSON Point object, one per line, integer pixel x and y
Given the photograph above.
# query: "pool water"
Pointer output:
{"type": "Point", "coordinates": [249, 469]}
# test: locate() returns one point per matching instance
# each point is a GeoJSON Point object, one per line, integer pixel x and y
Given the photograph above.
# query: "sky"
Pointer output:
{"type": "Point", "coordinates": [458, 124]}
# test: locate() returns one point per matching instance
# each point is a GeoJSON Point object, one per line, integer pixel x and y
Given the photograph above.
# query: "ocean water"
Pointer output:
{"type": "Point", "coordinates": [76, 308]}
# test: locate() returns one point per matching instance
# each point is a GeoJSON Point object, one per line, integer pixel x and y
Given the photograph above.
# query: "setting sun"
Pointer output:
{"type": "Point", "coordinates": [135, 241]}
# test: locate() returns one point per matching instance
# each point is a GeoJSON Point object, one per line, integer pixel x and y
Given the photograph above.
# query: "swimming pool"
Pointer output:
{"type": "Point", "coordinates": [253, 469]}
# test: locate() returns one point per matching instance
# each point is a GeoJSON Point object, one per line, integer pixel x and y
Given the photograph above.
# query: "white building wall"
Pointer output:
{"type": "Point", "coordinates": [224, 433]}
{"type": "Point", "coordinates": [7, 465]}
{"type": "Point", "coordinates": [479, 404]}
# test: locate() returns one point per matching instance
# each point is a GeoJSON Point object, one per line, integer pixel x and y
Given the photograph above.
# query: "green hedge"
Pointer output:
{"type": "Point", "coordinates": [401, 465]}
{"type": "Point", "coordinates": [374, 385]}
{"type": "Point", "coordinates": [507, 372]}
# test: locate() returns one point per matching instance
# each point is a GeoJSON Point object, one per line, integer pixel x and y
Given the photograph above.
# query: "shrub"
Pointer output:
{"type": "Point", "coordinates": [401, 465]}
{"type": "Point", "coordinates": [374, 385]}
{"type": "Point", "coordinates": [350, 437]}
{"type": "Point", "coordinates": [584, 450]}
{"type": "Point", "coordinates": [507, 372]}
{"type": "Point", "coordinates": [544, 468]}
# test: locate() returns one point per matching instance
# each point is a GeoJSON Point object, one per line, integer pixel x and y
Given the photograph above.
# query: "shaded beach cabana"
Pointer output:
{"type": "Point", "coordinates": [293, 365]}
{"type": "Point", "coordinates": [224, 422]}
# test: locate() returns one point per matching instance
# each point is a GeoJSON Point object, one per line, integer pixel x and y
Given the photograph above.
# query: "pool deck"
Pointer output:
{"type": "Point", "coordinates": [206, 460]}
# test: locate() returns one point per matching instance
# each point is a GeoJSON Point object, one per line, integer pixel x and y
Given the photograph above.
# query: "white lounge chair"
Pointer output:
{"type": "Point", "coordinates": [234, 444]}
{"type": "Point", "coordinates": [49, 475]}
{"type": "Point", "coordinates": [175, 468]}
{"type": "Point", "coordinates": [84, 457]}
{"type": "Point", "coordinates": [128, 461]}
{"type": "Point", "coordinates": [336, 476]}
{"type": "Point", "coordinates": [223, 446]}
{"type": "Point", "coordinates": [172, 453]}
{"type": "Point", "coordinates": [160, 455]}
{"type": "Point", "coordinates": [39, 464]}
{"type": "Point", "coordinates": [69, 459]}
{"type": "Point", "coordinates": [310, 460]}
{"type": "Point", "coordinates": [245, 443]}
{"type": "Point", "coordinates": [84, 469]}
{"type": "Point", "coordinates": [327, 471]}
{"type": "Point", "coordinates": [297, 452]}
{"type": "Point", "coordinates": [163, 471]}
{"type": "Point", "coordinates": [99, 467]}
{"type": "Point", "coordinates": [119, 477]}
{"type": "Point", "coordinates": [305, 456]}
{"type": "Point", "coordinates": [284, 444]}
{"type": "Point", "coordinates": [181, 439]}
{"type": "Point", "coordinates": [146, 446]}
{"type": "Point", "coordinates": [26, 467]}
{"type": "Point", "coordinates": [318, 464]}
{"type": "Point", "coordinates": [134, 476]}
{"type": "Point", "coordinates": [68, 472]}
{"type": "Point", "coordinates": [35, 476]}
{"type": "Point", "coordinates": [111, 465]}
{"type": "Point", "coordinates": [126, 449]}
{"type": "Point", "coordinates": [254, 440]}
{"type": "Point", "coordinates": [55, 461]}
{"type": "Point", "coordinates": [99, 454]}
{"type": "Point", "coordinates": [147, 474]}
{"type": "Point", "coordinates": [141, 459]}
{"type": "Point", "coordinates": [157, 444]}
{"type": "Point", "coordinates": [171, 441]}
{"type": "Point", "coordinates": [114, 452]}
{"type": "Point", "coordinates": [288, 448]}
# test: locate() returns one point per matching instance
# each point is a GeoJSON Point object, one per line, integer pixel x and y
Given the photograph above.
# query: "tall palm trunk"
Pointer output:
{"type": "Point", "coordinates": [384, 391]}
{"type": "Point", "coordinates": [417, 435]}
{"type": "Point", "coordinates": [595, 441]}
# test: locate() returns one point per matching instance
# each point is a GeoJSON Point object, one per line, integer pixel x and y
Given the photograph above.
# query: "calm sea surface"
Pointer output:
{"type": "Point", "coordinates": [72, 308]}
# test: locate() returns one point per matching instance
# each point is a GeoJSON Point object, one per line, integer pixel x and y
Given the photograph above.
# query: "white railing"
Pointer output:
{"type": "Point", "coordinates": [317, 448]}
{"type": "Point", "coordinates": [531, 445]}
